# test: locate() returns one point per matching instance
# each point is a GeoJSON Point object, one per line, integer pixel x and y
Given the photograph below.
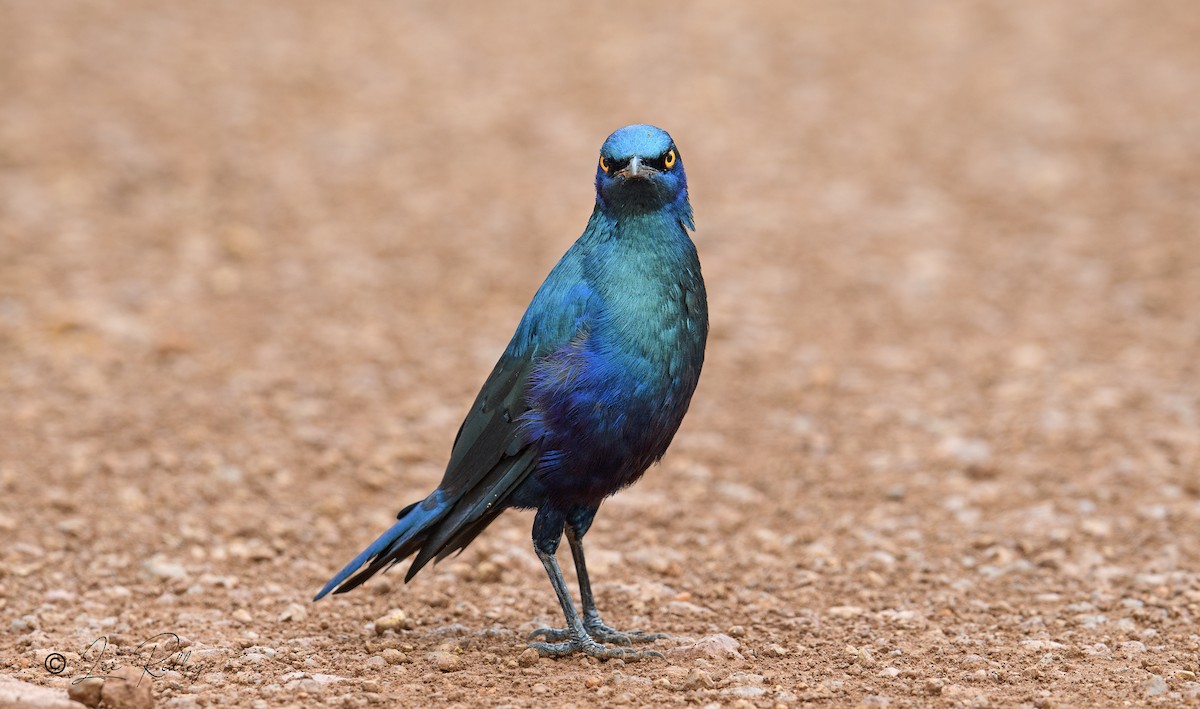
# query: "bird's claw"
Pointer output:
{"type": "Point", "coordinates": [552, 635]}
{"type": "Point", "coordinates": [586, 645]}
{"type": "Point", "coordinates": [605, 634]}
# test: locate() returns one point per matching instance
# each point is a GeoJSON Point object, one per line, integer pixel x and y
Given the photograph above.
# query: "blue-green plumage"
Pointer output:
{"type": "Point", "coordinates": [589, 392]}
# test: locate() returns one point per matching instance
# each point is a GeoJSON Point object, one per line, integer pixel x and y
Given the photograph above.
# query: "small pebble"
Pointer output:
{"type": "Point", "coordinates": [59, 594]}
{"type": "Point", "coordinates": [862, 655]}
{"type": "Point", "coordinates": [294, 612]}
{"type": "Point", "coordinates": [393, 620]}
{"type": "Point", "coordinates": [846, 611]}
{"type": "Point", "coordinates": [307, 685]}
{"type": "Point", "coordinates": [160, 567]}
{"type": "Point", "coordinates": [487, 572]}
{"type": "Point", "coordinates": [394, 657]}
{"type": "Point", "coordinates": [1155, 686]}
{"type": "Point", "coordinates": [528, 658]}
{"type": "Point", "coordinates": [86, 692]}
{"type": "Point", "coordinates": [719, 646]}
{"type": "Point", "coordinates": [24, 624]}
{"type": "Point", "coordinates": [447, 661]}
{"type": "Point", "coordinates": [127, 688]}
{"type": "Point", "coordinates": [24, 695]}
{"type": "Point", "coordinates": [697, 679]}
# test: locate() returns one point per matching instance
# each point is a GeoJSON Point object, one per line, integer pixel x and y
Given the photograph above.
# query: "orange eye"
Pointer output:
{"type": "Point", "coordinates": [603, 164]}
{"type": "Point", "coordinates": [669, 160]}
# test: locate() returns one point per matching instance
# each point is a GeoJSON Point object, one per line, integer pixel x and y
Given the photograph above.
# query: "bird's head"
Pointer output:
{"type": "Point", "coordinates": [640, 170]}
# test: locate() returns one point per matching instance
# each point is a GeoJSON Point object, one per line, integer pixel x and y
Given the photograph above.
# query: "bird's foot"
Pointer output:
{"type": "Point", "coordinates": [601, 632]}
{"type": "Point", "coordinates": [587, 645]}
{"type": "Point", "coordinates": [561, 641]}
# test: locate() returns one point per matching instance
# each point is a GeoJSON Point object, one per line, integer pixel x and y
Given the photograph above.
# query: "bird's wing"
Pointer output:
{"type": "Point", "coordinates": [490, 458]}
{"type": "Point", "coordinates": [492, 453]}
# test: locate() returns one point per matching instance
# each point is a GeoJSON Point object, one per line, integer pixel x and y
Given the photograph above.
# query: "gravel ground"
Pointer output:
{"type": "Point", "coordinates": [256, 258]}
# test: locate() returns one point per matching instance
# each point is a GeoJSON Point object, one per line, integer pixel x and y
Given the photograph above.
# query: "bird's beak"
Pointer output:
{"type": "Point", "coordinates": [635, 170]}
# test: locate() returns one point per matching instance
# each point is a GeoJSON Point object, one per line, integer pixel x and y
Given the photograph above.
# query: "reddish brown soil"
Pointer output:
{"type": "Point", "coordinates": [256, 258]}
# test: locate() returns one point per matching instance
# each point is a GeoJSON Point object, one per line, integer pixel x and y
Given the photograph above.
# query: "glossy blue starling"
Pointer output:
{"type": "Point", "coordinates": [588, 394]}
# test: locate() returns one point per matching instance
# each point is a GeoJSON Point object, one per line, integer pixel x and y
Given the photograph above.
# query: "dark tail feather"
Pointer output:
{"type": "Point", "coordinates": [467, 535]}
{"type": "Point", "coordinates": [405, 537]}
{"type": "Point", "coordinates": [475, 509]}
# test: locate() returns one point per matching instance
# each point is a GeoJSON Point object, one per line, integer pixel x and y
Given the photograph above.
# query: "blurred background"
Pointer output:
{"type": "Point", "coordinates": [256, 258]}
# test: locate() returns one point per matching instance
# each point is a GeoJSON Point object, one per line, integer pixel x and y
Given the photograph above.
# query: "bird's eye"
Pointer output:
{"type": "Point", "coordinates": [604, 164]}
{"type": "Point", "coordinates": [669, 159]}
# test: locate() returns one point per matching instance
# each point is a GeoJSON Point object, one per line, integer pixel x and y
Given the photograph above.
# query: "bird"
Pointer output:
{"type": "Point", "coordinates": [587, 395]}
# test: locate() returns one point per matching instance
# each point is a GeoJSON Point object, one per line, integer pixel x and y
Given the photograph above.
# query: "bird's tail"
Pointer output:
{"type": "Point", "coordinates": [410, 531]}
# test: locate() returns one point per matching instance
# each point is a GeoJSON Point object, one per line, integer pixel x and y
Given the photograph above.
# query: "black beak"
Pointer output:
{"type": "Point", "coordinates": [635, 170]}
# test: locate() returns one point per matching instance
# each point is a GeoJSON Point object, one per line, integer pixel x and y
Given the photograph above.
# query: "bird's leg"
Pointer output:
{"type": "Point", "coordinates": [577, 526]}
{"type": "Point", "coordinates": [575, 637]}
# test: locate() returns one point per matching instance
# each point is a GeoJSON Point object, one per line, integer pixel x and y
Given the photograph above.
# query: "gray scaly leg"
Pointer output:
{"type": "Point", "coordinates": [580, 636]}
